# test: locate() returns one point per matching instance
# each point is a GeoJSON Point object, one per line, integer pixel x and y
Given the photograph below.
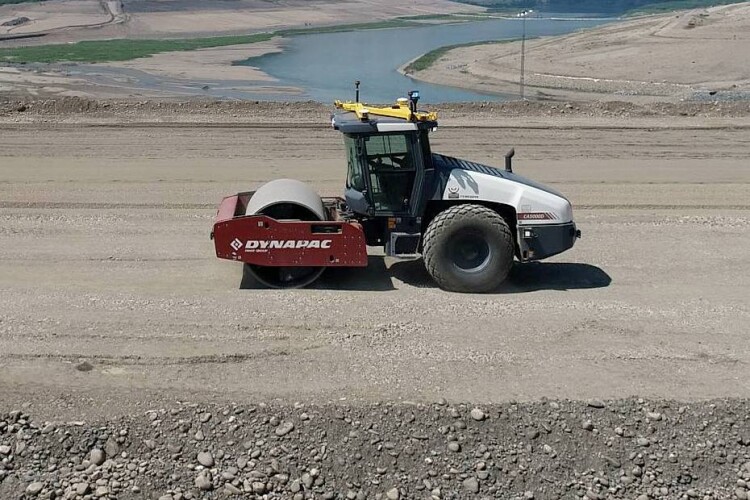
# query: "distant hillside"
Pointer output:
{"type": "Point", "coordinates": [6, 2]}
{"type": "Point", "coordinates": [598, 6]}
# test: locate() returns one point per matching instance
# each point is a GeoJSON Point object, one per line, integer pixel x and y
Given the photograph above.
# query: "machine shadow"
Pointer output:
{"type": "Point", "coordinates": [530, 277]}
{"type": "Point", "coordinates": [373, 278]}
{"type": "Point", "coordinates": [376, 277]}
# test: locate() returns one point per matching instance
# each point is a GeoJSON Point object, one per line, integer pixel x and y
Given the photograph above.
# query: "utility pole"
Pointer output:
{"type": "Point", "coordinates": [523, 16]}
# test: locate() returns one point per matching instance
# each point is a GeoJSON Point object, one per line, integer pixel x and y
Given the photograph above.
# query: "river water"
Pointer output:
{"type": "Point", "coordinates": [325, 65]}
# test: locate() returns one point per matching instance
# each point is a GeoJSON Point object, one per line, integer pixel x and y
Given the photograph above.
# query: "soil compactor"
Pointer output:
{"type": "Point", "coordinates": [468, 221]}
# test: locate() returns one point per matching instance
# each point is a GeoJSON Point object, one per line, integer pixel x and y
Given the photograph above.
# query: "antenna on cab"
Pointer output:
{"type": "Point", "coordinates": [413, 100]}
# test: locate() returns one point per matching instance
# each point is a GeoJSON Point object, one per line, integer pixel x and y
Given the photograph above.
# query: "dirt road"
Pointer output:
{"type": "Point", "coordinates": [105, 259]}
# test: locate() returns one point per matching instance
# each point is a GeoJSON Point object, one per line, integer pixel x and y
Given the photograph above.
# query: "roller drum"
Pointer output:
{"type": "Point", "coordinates": [287, 199]}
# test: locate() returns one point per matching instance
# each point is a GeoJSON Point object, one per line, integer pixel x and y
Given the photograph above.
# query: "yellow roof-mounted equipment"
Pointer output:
{"type": "Point", "coordinates": [406, 109]}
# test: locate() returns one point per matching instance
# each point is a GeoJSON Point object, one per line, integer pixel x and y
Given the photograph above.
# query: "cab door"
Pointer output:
{"type": "Point", "coordinates": [356, 193]}
{"type": "Point", "coordinates": [393, 176]}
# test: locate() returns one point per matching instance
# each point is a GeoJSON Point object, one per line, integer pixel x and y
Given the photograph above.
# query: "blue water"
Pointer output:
{"type": "Point", "coordinates": [325, 65]}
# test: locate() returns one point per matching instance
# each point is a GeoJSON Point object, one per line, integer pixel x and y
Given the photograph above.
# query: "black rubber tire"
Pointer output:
{"type": "Point", "coordinates": [284, 277]}
{"type": "Point", "coordinates": [490, 249]}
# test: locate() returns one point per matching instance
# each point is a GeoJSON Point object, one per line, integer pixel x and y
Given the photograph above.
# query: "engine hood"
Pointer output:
{"type": "Point", "coordinates": [448, 163]}
{"type": "Point", "coordinates": [533, 202]}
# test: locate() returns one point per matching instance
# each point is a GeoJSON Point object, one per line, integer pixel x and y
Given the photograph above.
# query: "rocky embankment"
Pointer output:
{"type": "Point", "coordinates": [551, 449]}
{"type": "Point", "coordinates": [81, 110]}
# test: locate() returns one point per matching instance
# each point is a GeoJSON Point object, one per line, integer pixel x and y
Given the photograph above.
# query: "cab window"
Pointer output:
{"type": "Point", "coordinates": [354, 177]}
{"type": "Point", "coordinates": [390, 160]}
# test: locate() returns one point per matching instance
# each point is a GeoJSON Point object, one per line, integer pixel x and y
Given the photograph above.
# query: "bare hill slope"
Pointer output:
{"type": "Point", "coordinates": [667, 56]}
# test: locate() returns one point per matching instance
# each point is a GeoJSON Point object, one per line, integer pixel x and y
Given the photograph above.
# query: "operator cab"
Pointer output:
{"type": "Point", "coordinates": [382, 172]}
{"type": "Point", "coordinates": [388, 152]}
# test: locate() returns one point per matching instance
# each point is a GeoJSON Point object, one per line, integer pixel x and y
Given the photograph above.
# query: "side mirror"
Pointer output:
{"type": "Point", "coordinates": [357, 201]}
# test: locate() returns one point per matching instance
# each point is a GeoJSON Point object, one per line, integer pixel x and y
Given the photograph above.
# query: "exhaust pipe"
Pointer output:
{"type": "Point", "coordinates": [509, 160]}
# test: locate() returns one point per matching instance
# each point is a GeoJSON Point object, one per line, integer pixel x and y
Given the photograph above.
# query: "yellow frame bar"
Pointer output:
{"type": "Point", "coordinates": [398, 110]}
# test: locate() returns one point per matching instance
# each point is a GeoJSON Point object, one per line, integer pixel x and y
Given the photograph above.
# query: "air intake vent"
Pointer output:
{"type": "Point", "coordinates": [404, 244]}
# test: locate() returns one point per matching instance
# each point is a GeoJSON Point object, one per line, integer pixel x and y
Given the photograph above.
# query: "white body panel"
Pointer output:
{"type": "Point", "coordinates": [396, 127]}
{"type": "Point", "coordinates": [533, 205]}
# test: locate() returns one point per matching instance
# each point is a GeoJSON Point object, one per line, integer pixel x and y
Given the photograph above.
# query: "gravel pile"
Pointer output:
{"type": "Point", "coordinates": [74, 108]}
{"type": "Point", "coordinates": [594, 450]}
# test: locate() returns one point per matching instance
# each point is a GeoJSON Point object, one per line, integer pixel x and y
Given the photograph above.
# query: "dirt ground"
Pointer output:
{"type": "Point", "coordinates": [51, 17]}
{"type": "Point", "coordinates": [266, 15]}
{"type": "Point", "coordinates": [73, 20]}
{"type": "Point", "coordinates": [207, 64]}
{"type": "Point", "coordinates": [655, 58]}
{"type": "Point", "coordinates": [111, 297]}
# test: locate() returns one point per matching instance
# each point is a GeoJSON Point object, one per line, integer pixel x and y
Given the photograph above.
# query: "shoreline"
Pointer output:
{"type": "Point", "coordinates": [217, 64]}
{"type": "Point", "coordinates": [606, 63]}
{"type": "Point", "coordinates": [486, 67]}
{"type": "Point", "coordinates": [213, 63]}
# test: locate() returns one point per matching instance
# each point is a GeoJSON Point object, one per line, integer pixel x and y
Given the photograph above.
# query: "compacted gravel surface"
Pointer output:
{"type": "Point", "coordinates": [127, 348]}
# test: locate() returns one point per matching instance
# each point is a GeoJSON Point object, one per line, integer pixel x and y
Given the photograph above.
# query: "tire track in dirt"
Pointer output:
{"type": "Point", "coordinates": [136, 360]}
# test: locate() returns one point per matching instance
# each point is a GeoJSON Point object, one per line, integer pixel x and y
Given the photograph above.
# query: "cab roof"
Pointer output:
{"type": "Point", "coordinates": [350, 123]}
{"type": "Point", "coordinates": [361, 118]}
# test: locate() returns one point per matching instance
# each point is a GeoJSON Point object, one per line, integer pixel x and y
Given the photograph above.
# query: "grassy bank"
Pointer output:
{"type": "Point", "coordinates": [428, 59]}
{"type": "Point", "coordinates": [95, 51]}
{"type": "Point", "coordinates": [118, 50]}
{"type": "Point", "coordinates": [377, 25]}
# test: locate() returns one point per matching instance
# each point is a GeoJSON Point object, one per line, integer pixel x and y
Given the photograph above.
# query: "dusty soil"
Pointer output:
{"type": "Point", "coordinates": [50, 17]}
{"type": "Point", "coordinates": [72, 20]}
{"type": "Point", "coordinates": [15, 81]}
{"type": "Point", "coordinates": [666, 57]}
{"type": "Point", "coordinates": [207, 64]}
{"type": "Point", "coordinates": [591, 114]}
{"type": "Point", "coordinates": [267, 15]}
{"type": "Point", "coordinates": [105, 257]}
{"type": "Point", "coordinates": [112, 304]}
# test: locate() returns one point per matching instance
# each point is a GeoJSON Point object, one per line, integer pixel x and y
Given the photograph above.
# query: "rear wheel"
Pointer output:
{"type": "Point", "coordinates": [284, 277]}
{"type": "Point", "coordinates": [468, 248]}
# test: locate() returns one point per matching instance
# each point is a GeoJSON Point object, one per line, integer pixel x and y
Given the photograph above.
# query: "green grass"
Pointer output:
{"type": "Point", "coordinates": [126, 49]}
{"type": "Point", "coordinates": [450, 18]}
{"type": "Point", "coordinates": [428, 59]}
{"type": "Point", "coordinates": [378, 25]}
{"type": "Point", "coordinates": [429, 17]}
{"type": "Point", "coordinates": [120, 49]}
